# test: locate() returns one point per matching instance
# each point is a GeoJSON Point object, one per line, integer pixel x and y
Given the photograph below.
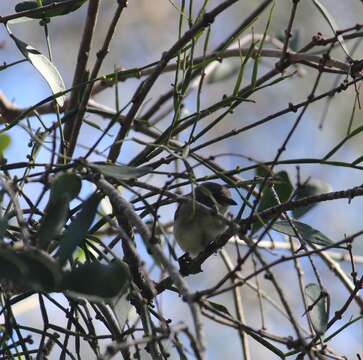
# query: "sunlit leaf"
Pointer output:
{"type": "Point", "coordinates": [319, 304]}
{"type": "Point", "coordinates": [46, 69]}
{"type": "Point", "coordinates": [78, 229]}
{"type": "Point", "coordinates": [123, 172]}
{"type": "Point", "coordinates": [4, 143]}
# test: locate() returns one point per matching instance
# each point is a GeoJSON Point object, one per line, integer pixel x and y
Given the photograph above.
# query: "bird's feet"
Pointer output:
{"type": "Point", "coordinates": [184, 263]}
{"type": "Point", "coordinates": [188, 266]}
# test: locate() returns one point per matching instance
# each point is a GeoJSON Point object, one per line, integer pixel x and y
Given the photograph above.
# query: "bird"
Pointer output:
{"type": "Point", "coordinates": [194, 227]}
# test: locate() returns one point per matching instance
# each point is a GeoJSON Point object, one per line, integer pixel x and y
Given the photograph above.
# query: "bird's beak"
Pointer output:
{"type": "Point", "coordinates": [231, 202]}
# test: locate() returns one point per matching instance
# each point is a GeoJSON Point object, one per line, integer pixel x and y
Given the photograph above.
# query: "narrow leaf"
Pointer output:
{"type": "Point", "coordinates": [78, 229]}
{"type": "Point", "coordinates": [242, 69]}
{"type": "Point", "coordinates": [257, 58]}
{"type": "Point", "coordinates": [55, 217]}
{"type": "Point", "coordinates": [93, 124]}
{"type": "Point", "coordinates": [62, 10]}
{"type": "Point", "coordinates": [121, 172]}
{"type": "Point", "coordinates": [319, 304]}
{"type": "Point", "coordinates": [332, 24]}
{"type": "Point", "coordinates": [64, 188]}
{"type": "Point", "coordinates": [219, 307]}
{"type": "Point", "coordinates": [66, 183]}
{"type": "Point", "coordinates": [307, 233]}
{"type": "Point", "coordinates": [46, 69]}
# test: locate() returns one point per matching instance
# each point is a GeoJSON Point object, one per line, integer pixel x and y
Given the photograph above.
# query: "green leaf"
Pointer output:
{"type": "Point", "coordinates": [11, 266]}
{"type": "Point", "coordinates": [311, 188]}
{"type": "Point", "coordinates": [123, 172]}
{"type": "Point", "coordinates": [332, 24]}
{"type": "Point", "coordinates": [219, 307]}
{"type": "Point", "coordinates": [307, 233]}
{"type": "Point", "coordinates": [55, 216]}
{"type": "Point", "coordinates": [66, 183]}
{"type": "Point", "coordinates": [63, 10]}
{"type": "Point", "coordinates": [239, 79]}
{"type": "Point", "coordinates": [30, 269]}
{"type": "Point", "coordinates": [319, 313]}
{"type": "Point", "coordinates": [257, 58]}
{"type": "Point", "coordinates": [283, 188]}
{"type": "Point", "coordinates": [4, 143]}
{"type": "Point", "coordinates": [93, 124]}
{"type": "Point", "coordinates": [43, 273]}
{"type": "Point", "coordinates": [255, 71]}
{"type": "Point", "coordinates": [98, 282]}
{"type": "Point", "coordinates": [78, 229]}
{"type": "Point", "coordinates": [46, 69]}
{"type": "Point", "coordinates": [64, 188]}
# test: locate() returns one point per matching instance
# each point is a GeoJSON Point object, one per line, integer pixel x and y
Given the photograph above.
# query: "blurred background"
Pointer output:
{"type": "Point", "coordinates": [146, 29]}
